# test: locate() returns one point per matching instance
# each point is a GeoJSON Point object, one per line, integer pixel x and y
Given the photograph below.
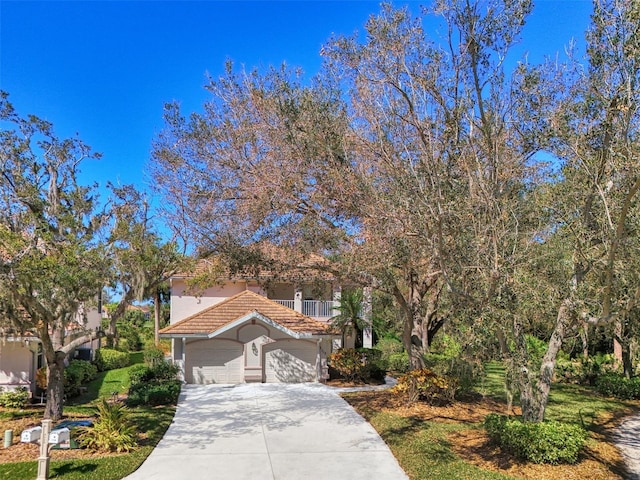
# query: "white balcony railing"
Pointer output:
{"type": "Point", "coordinates": [312, 308]}
{"type": "Point", "coordinates": [318, 308]}
{"type": "Point", "coordinates": [287, 303]}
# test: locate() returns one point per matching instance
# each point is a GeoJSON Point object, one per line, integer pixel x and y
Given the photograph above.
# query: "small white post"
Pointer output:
{"type": "Point", "coordinates": [43, 459]}
{"type": "Point", "coordinates": [297, 300]}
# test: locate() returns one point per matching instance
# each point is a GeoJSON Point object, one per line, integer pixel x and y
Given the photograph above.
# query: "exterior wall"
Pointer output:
{"type": "Point", "coordinates": [253, 351]}
{"type": "Point", "coordinates": [16, 365]}
{"type": "Point", "coordinates": [185, 304]}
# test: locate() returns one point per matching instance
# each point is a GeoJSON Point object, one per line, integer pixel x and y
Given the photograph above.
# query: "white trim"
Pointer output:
{"type": "Point", "coordinates": [262, 318]}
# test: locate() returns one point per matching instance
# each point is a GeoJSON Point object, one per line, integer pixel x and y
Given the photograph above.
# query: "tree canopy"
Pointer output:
{"type": "Point", "coordinates": [470, 186]}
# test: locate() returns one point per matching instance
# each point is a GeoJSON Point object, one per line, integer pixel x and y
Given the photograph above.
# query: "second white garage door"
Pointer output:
{"type": "Point", "coordinates": [290, 361]}
{"type": "Point", "coordinates": [214, 361]}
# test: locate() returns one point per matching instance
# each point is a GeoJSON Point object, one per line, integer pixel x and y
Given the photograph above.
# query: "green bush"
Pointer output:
{"type": "Point", "coordinates": [17, 398]}
{"type": "Point", "coordinates": [77, 373]}
{"type": "Point", "coordinates": [154, 393]}
{"type": "Point", "coordinates": [425, 385]}
{"type": "Point", "coordinates": [111, 432]}
{"type": "Point", "coordinates": [154, 385]}
{"type": "Point", "coordinates": [619, 386]}
{"type": "Point", "coordinates": [462, 374]}
{"type": "Point", "coordinates": [160, 372]}
{"type": "Point", "coordinates": [110, 359]}
{"type": "Point", "coordinates": [138, 373]}
{"type": "Point", "coordinates": [597, 365]}
{"type": "Point", "coordinates": [129, 338]}
{"type": "Point", "coordinates": [398, 362]}
{"type": "Point", "coordinates": [358, 364]}
{"type": "Point", "coordinates": [543, 442]}
{"type": "Point", "coordinates": [584, 371]}
{"type": "Point", "coordinates": [153, 356]}
{"type": "Point", "coordinates": [388, 346]}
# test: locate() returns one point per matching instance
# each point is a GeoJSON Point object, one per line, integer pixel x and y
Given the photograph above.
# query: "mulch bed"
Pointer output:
{"type": "Point", "coordinates": [600, 461]}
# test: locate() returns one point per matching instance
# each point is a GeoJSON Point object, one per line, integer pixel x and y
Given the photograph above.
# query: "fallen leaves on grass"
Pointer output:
{"type": "Point", "coordinates": [601, 460]}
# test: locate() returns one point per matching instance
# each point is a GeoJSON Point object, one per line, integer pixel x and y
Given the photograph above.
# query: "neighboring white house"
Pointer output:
{"type": "Point", "coordinates": [245, 329]}
{"type": "Point", "coordinates": [21, 355]}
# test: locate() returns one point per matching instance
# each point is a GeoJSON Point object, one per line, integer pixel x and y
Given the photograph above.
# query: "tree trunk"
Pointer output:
{"type": "Point", "coordinates": [627, 359]}
{"type": "Point", "coordinates": [520, 371]}
{"type": "Point", "coordinates": [55, 387]}
{"type": "Point", "coordinates": [617, 345]}
{"type": "Point", "coordinates": [584, 337]}
{"type": "Point", "coordinates": [55, 357]}
{"type": "Point", "coordinates": [534, 401]}
{"type": "Point", "coordinates": [412, 339]}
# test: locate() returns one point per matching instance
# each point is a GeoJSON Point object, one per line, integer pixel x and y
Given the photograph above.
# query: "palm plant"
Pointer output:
{"type": "Point", "coordinates": [112, 432]}
{"type": "Point", "coordinates": [350, 316]}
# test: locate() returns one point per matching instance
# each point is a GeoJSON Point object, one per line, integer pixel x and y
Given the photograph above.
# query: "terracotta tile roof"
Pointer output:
{"type": "Point", "coordinates": [233, 308]}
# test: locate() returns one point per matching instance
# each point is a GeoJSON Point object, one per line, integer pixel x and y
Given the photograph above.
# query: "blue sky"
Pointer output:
{"type": "Point", "coordinates": [105, 69]}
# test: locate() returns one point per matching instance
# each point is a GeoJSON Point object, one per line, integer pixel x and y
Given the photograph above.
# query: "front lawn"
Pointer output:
{"type": "Point", "coordinates": [449, 442]}
{"type": "Point", "coordinates": [151, 424]}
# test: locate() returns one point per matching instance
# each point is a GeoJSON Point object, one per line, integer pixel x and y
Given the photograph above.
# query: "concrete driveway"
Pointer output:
{"type": "Point", "coordinates": [268, 431]}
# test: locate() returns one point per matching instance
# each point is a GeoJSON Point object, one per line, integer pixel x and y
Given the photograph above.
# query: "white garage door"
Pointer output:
{"type": "Point", "coordinates": [290, 361]}
{"type": "Point", "coordinates": [214, 361]}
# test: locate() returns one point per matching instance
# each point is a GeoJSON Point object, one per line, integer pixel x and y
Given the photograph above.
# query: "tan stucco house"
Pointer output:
{"type": "Point", "coordinates": [245, 329]}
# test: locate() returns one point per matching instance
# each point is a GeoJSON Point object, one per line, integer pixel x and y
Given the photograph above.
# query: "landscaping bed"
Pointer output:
{"type": "Point", "coordinates": [445, 442]}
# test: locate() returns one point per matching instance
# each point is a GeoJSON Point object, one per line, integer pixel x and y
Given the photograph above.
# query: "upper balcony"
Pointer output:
{"type": "Point", "coordinates": [318, 309]}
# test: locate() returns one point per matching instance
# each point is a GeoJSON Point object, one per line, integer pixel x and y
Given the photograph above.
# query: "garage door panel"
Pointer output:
{"type": "Point", "coordinates": [214, 361]}
{"type": "Point", "coordinates": [290, 362]}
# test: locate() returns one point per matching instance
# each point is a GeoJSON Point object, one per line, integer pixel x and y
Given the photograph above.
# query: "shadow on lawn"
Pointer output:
{"type": "Point", "coordinates": [60, 470]}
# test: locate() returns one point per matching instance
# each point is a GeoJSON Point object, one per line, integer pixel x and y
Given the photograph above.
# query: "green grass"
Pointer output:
{"type": "Point", "coordinates": [105, 468]}
{"type": "Point", "coordinates": [107, 383]}
{"type": "Point", "coordinates": [424, 452]}
{"type": "Point", "coordinates": [567, 403]}
{"type": "Point", "coordinates": [150, 421]}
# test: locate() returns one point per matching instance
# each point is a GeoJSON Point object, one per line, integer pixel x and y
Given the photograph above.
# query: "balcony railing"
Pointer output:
{"type": "Point", "coordinates": [286, 303]}
{"type": "Point", "coordinates": [318, 308]}
{"type": "Point", "coordinates": [312, 308]}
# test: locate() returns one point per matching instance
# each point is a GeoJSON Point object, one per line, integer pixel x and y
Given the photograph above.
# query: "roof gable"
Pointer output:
{"type": "Point", "coordinates": [241, 308]}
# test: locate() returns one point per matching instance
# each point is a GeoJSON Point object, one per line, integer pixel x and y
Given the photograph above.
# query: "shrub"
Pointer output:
{"type": "Point", "coordinates": [361, 364]}
{"type": "Point", "coordinates": [110, 359]}
{"type": "Point", "coordinates": [424, 385]}
{"type": "Point", "coordinates": [597, 365]}
{"type": "Point", "coordinates": [619, 386]}
{"type": "Point", "coordinates": [388, 346]}
{"type": "Point", "coordinates": [129, 338]}
{"type": "Point", "coordinates": [17, 398]}
{"type": "Point", "coordinates": [111, 432]}
{"type": "Point", "coordinates": [461, 373]}
{"type": "Point", "coordinates": [154, 385]}
{"type": "Point", "coordinates": [138, 373]}
{"type": "Point", "coordinates": [144, 373]}
{"type": "Point", "coordinates": [398, 362]}
{"type": "Point", "coordinates": [76, 374]}
{"type": "Point", "coordinates": [164, 371]}
{"type": "Point", "coordinates": [543, 442]}
{"type": "Point", "coordinates": [154, 393]}
{"type": "Point", "coordinates": [153, 356]}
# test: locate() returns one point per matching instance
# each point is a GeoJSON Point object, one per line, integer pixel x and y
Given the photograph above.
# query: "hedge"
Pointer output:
{"type": "Point", "coordinates": [110, 359]}
{"type": "Point", "coordinates": [541, 442]}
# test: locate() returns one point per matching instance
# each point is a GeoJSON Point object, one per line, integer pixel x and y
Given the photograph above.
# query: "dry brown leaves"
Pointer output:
{"type": "Point", "coordinates": [601, 460]}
